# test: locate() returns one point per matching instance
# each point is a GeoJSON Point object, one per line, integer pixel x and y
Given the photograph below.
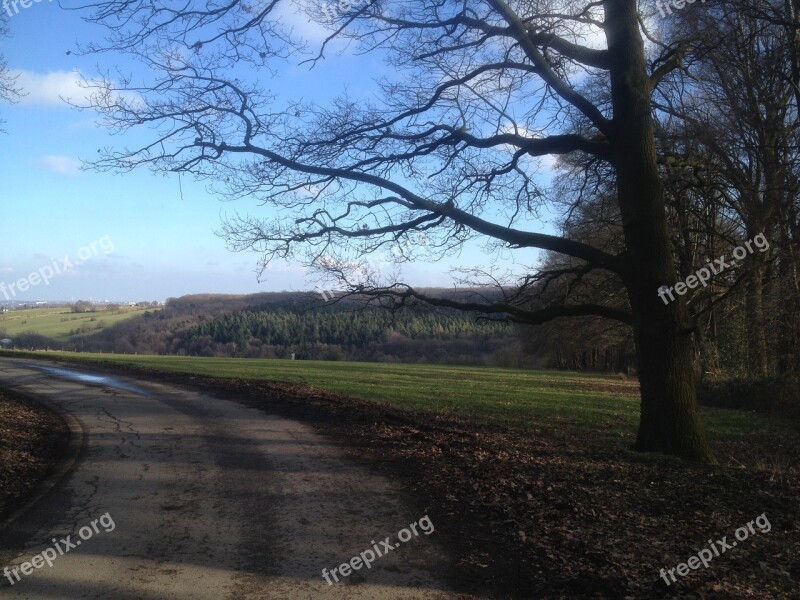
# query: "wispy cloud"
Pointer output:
{"type": "Point", "coordinates": [63, 165]}
{"type": "Point", "coordinates": [547, 163]}
{"type": "Point", "coordinates": [298, 17]}
{"type": "Point", "coordinates": [50, 89]}
{"type": "Point", "coordinates": [59, 87]}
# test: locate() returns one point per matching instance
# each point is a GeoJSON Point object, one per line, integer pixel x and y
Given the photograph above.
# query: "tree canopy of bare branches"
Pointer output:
{"type": "Point", "coordinates": [473, 94]}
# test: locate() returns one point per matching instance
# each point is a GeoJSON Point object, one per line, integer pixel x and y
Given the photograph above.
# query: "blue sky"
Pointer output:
{"type": "Point", "coordinates": [164, 243]}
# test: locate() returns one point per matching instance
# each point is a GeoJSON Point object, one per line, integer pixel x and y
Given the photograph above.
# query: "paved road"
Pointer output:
{"type": "Point", "coordinates": [179, 495]}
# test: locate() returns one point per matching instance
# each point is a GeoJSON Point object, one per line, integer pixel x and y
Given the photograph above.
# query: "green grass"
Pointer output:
{"type": "Point", "coordinates": [555, 401]}
{"type": "Point", "coordinates": [57, 322]}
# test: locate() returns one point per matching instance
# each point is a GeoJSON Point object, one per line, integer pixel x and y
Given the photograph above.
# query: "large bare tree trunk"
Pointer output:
{"type": "Point", "coordinates": [757, 357]}
{"type": "Point", "coordinates": [787, 289]}
{"type": "Point", "coordinates": [670, 419]}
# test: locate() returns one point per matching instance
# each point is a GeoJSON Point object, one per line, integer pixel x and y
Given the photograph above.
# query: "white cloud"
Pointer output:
{"type": "Point", "coordinates": [50, 89]}
{"type": "Point", "coordinates": [63, 165]}
{"type": "Point", "coordinates": [547, 163]}
{"type": "Point", "coordinates": [590, 37]}
{"type": "Point", "coordinates": [305, 19]}
{"type": "Point", "coordinates": [296, 16]}
{"type": "Point", "coordinates": [57, 87]}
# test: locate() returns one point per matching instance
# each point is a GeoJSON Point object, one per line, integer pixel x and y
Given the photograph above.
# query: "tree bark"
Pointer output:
{"type": "Point", "coordinates": [757, 361]}
{"type": "Point", "coordinates": [670, 420]}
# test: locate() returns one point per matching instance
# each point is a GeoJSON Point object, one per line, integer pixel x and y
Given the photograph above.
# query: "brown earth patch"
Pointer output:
{"type": "Point", "coordinates": [32, 439]}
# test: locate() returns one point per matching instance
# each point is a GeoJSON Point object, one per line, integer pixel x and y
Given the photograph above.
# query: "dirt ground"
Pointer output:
{"type": "Point", "coordinates": [567, 516]}
{"type": "Point", "coordinates": [31, 440]}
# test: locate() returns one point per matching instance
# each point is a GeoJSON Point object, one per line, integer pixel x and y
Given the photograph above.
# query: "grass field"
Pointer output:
{"type": "Point", "coordinates": [58, 322]}
{"type": "Point", "coordinates": [548, 400]}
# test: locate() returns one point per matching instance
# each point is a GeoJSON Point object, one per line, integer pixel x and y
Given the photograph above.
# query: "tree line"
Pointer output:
{"type": "Point", "coordinates": [281, 325]}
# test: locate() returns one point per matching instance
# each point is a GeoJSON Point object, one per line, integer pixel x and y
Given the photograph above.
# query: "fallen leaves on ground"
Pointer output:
{"type": "Point", "coordinates": [542, 513]}
{"type": "Point", "coordinates": [31, 439]}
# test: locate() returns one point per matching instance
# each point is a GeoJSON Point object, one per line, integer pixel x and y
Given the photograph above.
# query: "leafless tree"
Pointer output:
{"type": "Point", "coordinates": [737, 151]}
{"type": "Point", "coordinates": [9, 92]}
{"type": "Point", "coordinates": [477, 91]}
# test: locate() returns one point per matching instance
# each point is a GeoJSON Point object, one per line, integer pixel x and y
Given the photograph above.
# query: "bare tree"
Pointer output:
{"type": "Point", "coordinates": [477, 91]}
{"type": "Point", "coordinates": [9, 92]}
{"type": "Point", "coordinates": [736, 149]}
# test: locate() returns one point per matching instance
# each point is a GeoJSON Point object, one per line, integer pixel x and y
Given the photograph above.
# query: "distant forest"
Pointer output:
{"type": "Point", "coordinates": [277, 325]}
{"type": "Point", "coordinates": [284, 324]}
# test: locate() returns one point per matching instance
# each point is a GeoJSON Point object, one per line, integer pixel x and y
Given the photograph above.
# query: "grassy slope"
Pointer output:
{"type": "Point", "coordinates": [541, 400]}
{"type": "Point", "coordinates": [58, 322]}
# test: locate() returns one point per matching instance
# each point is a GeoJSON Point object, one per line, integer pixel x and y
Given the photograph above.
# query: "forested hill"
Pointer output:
{"type": "Point", "coordinates": [282, 325]}
{"type": "Point", "coordinates": [279, 325]}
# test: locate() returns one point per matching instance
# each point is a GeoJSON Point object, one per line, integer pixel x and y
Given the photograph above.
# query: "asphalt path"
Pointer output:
{"type": "Point", "coordinates": [170, 493]}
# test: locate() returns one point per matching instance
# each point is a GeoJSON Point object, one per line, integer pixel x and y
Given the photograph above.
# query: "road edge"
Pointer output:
{"type": "Point", "coordinates": [75, 446]}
